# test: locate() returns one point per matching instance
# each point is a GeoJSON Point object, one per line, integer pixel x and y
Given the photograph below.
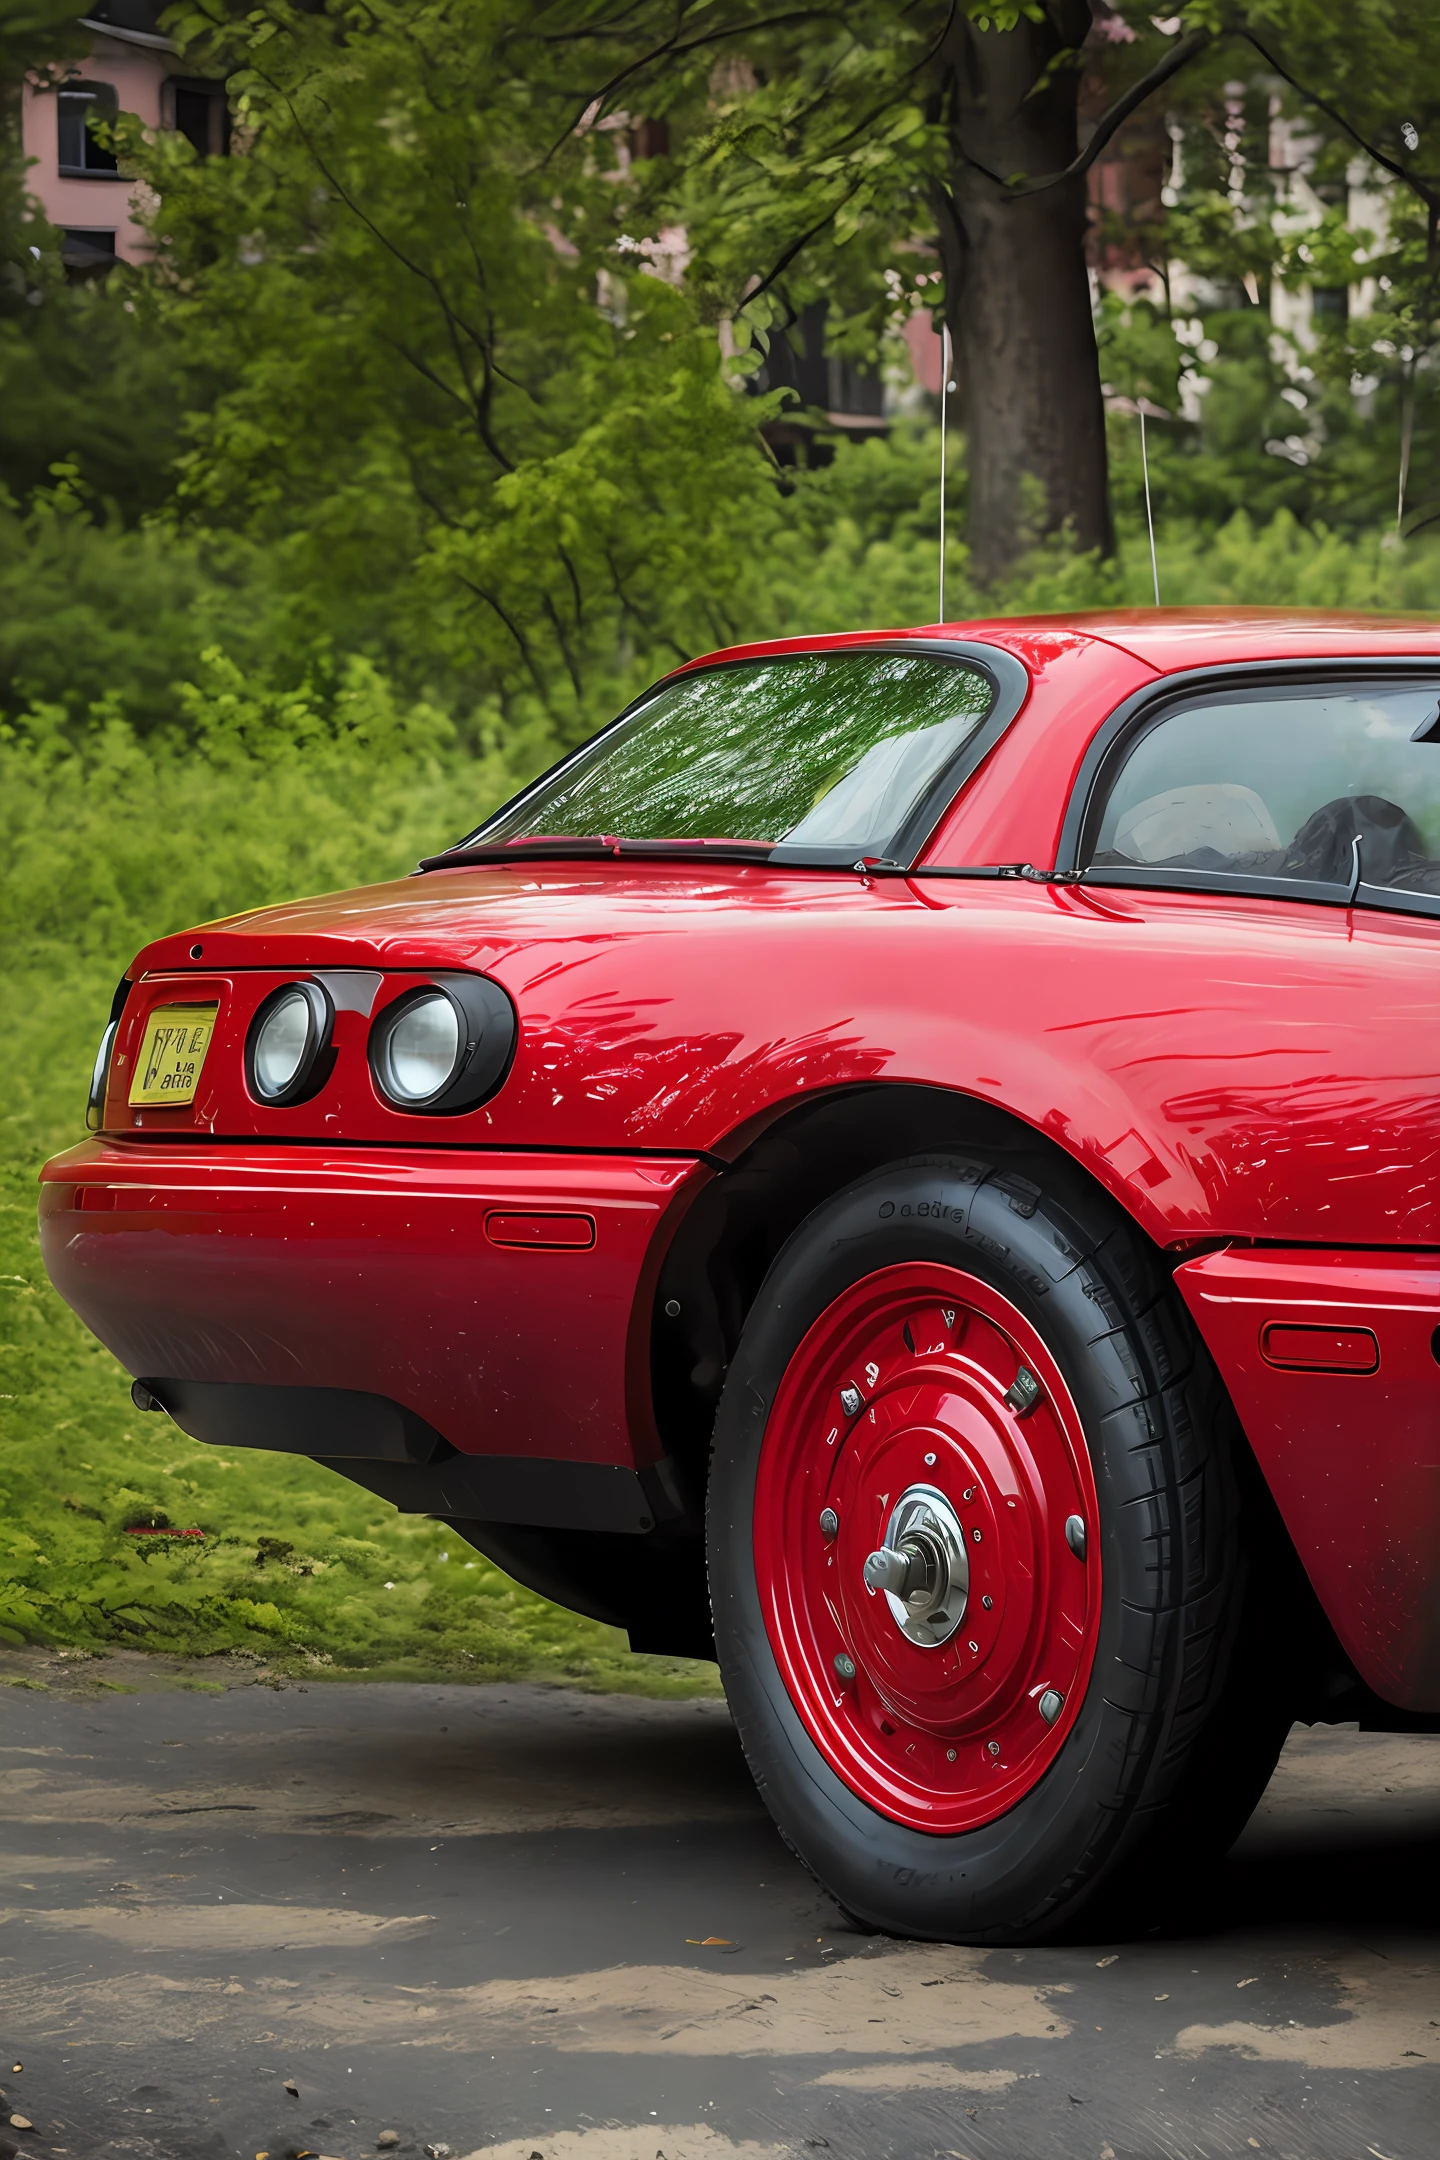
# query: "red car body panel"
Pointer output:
{"type": "Point", "coordinates": [1232, 1068]}
{"type": "Point", "coordinates": [415, 1274]}
{"type": "Point", "coordinates": [1350, 1452]}
{"type": "Point", "coordinates": [1228, 1067]}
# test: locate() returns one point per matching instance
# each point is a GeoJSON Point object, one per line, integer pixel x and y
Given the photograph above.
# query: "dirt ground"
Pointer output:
{"type": "Point", "coordinates": [513, 1921]}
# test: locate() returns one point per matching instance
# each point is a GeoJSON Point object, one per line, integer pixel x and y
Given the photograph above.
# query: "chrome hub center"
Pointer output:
{"type": "Point", "coordinates": [922, 1570]}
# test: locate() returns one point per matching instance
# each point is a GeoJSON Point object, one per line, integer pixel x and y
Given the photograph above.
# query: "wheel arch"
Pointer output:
{"type": "Point", "coordinates": [725, 1242]}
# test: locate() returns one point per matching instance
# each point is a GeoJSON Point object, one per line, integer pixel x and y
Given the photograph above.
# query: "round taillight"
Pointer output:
{"type": "Point", "coordinates": [287, 1054]}
{"type": "Point", "coordinates": [443, 1046]}
{"type": "Point", "coordinates": [422, 1049]}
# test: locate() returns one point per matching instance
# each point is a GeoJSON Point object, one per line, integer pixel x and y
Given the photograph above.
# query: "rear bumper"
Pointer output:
{"type": "Point", "coordinates": [501, 1302]}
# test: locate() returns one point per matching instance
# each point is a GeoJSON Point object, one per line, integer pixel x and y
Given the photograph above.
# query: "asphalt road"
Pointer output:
{"type": "Point", "coordinates": [485, 1919]}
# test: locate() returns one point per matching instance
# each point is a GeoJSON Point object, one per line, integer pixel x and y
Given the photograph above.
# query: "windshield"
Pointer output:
{"type": "Point", "coordinates": [1322, 786]}
{"type": "Point", "coordinates": [835, 749]}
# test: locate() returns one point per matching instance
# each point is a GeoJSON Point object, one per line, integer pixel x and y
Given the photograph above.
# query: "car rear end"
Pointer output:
{"type": "Point", "coordinates": [334, 1202]}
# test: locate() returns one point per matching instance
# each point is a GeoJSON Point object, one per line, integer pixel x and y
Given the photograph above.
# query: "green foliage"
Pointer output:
{"type": "Point", "coordinates": [295, 1564]}
{"type": "Point", "coordinates": [441, 377]}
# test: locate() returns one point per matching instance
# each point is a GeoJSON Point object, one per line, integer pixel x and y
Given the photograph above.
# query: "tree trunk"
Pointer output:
{"type": "Point", "coordinates": [1018, 296]}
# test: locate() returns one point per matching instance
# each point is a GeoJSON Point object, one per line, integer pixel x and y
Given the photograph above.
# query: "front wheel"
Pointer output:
{"type": "Point", "coordinates": [977, 1556]}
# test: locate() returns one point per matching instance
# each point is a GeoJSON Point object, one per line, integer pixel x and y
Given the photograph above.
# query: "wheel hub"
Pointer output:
{"type": "Point", "coordinates": [922, 1569]}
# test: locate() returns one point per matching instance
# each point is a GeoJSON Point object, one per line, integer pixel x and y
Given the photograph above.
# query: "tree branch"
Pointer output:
{"type": "Point", "coordinates": [803, 242]}
{"type": "Point", "coordinates": [521, 641]}
{"type": "Point", "coordinates": [672, 48]}
{"type": "Point", "coordinates": [454, 322]}
{"type": "Point", "coordinates": [1179, 56]}
{"type": "Point", "coordinates": [1428, 195]}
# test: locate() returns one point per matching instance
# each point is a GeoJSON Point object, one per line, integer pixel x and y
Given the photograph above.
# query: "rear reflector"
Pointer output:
{"type": "Point", "coordinates": [572, 1233]}
{"type": "Point", "coordinates": [1320, 1349]}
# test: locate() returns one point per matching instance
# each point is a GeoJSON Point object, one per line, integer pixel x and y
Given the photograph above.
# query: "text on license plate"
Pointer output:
{"type": "Point", "coordinates": [172, 1051]}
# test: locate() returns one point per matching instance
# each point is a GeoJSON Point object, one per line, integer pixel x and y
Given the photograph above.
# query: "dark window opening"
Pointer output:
{"type": "Point", "coordinates": [82, 108]}
{"type": "Point", "coordinates": [797, 360]}
{"type": "Point", "coordinates": [850, 395]}
{"type": "Point", "coordinates": [86, 253]}
{"type": "Point", "coordinates": [1330, 303]}
{"type": "Point", "coordinates": [650, 139]}
{"type": "Point", "coordinates": [197, 109]}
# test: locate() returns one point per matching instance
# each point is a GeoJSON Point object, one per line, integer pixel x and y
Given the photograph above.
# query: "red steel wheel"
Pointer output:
{"type": "Point", "coordinates": [924, 1545]}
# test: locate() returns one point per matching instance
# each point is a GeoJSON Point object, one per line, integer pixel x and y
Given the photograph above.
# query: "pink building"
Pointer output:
{"type": "Point", "coordinates": [130, 68]}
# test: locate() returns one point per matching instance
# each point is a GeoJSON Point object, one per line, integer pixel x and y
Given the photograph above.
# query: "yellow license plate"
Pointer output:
{"type": "Point", "coordinates": [172, 1052]}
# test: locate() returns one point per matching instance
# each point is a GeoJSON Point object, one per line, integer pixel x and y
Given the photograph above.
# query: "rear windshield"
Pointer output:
{"type": "Point", "coordinates": [815, 750]}
{"type": "Point", "coordinates": [1323, 787]}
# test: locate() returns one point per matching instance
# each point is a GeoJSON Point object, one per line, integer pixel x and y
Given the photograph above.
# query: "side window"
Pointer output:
{"type": "Point", "coordinates": [1320, 787]}
{"type": "Point", "coordinates": [83, 105]}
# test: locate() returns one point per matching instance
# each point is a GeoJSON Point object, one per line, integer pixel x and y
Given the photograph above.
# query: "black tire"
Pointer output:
{"type": "Point", "coordinates": [1174, 1735]}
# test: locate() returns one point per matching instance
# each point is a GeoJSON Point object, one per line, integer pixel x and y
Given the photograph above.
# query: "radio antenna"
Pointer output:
{"type": "Point", "coordinates": [1149, 513]}
{"type": "Point", "coordinates": [945, 388]}
{"type": "Point", "coordinates": [1407, 431]}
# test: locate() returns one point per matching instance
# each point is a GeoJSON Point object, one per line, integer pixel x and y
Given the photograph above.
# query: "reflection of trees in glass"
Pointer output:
{"type": "Point", "coordinates": [827, 747]}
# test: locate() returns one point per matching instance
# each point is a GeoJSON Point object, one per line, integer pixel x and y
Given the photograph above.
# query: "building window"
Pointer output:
{"type": "Point", "coordinates": [197, 110]}
{"type": "Point", "coordinates": [83, 107]}
{"type": "Point", "coordinates": [86, 253]}
{"type": "Point", "coordinates": [1330, 303]}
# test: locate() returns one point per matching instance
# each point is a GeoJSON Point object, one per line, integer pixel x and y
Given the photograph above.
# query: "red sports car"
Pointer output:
{"type": "Point", "coordinates": [911, 1163]}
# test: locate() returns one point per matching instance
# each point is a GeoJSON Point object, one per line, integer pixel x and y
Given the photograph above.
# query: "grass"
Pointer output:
{"type": "Point", "coordinates": [295, 1564]}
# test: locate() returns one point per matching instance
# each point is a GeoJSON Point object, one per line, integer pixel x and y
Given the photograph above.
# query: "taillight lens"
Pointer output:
{"type": "Point", "coordinates": [443, 1046]}
{"type": "Point", "coordinates": [287, 1054]}
{"type": "Point", "coordinates": [422, 1049]}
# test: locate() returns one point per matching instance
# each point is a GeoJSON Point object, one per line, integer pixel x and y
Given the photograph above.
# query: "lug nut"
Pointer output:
{"type": "Point", "coordinates": [988, 1603]}
{"type": "Point", "coordinates": [829, 1523]}
{"type": "Point", "coordinates": [949, 1754]}
{"type": "Point", "coordinates": [1050, 1705]}
{"type": "Point", "coordinates": [994, 1746]}
{"type": "Point", "coordinates": [844, 1666]}
{"type": "Point", "coordinates": [850, 1401]}
{"type": "Point", "coordinates": [1075, 1535]}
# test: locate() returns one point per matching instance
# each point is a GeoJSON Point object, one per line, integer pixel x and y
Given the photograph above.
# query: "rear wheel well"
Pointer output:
{"type": "Point", "coordinates": [738, 1223]}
